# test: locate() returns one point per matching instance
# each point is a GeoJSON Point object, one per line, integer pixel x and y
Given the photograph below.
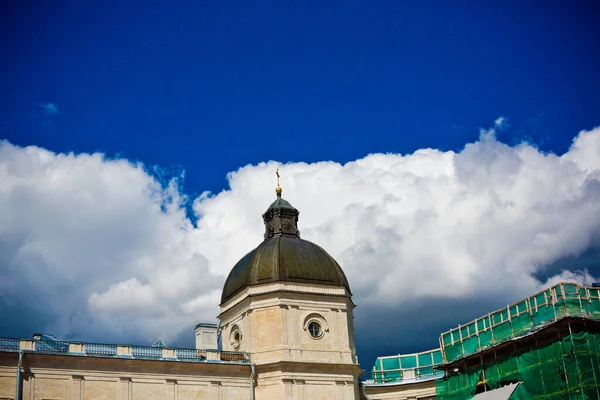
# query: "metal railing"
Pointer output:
{"type": "Point", "coordinates": [146, 351]}
{"type": "Point", "coordinates": [9, 344]}
{"type": "Point", "coordinates": [402, 375]}
{"type": "Point", "coordinates": [127, 351]}
{"type": "Point", "coordinates": [428, 372]}
{"type": "Point", "coordinates": [234, 356]}
{"type": "Point", "coordinates": [101, 349]}
{"type": "Point", "coordinates": [52, 346]}
{"type": "Point", "coordinates": [190, 354]}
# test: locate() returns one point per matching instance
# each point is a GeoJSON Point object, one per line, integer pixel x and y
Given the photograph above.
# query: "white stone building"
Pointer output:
{"type": "Point", "coordinates": [286, 328]}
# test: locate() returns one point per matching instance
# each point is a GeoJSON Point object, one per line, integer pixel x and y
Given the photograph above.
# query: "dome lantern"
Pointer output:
{"type": "Point", "coordinates": [283, 256]}
{"type": "Point", "coordinates": [281, 218]}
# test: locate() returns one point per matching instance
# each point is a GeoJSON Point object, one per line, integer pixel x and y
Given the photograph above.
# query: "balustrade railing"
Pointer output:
{"type": "Point", "coordinates": [146, 351]}
{"type": "Point", "coordinates": [234, 356]}
{"type": "Point", "coordinates": [53, 346]}
{"type": "Point", "coordinates": [101, 349]}
{"type": "Point", "coordinates": [114, 350]}
{"type": "Point", "coordinates": [9, 344]}
{"type": "Point", "coordinates": [190, 354]}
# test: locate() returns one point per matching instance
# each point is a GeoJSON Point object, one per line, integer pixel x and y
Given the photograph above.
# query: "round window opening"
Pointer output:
{"type": "Point", "coordinates": [236, 339]}
{"type": "Point", "coordinates": [315, 330]}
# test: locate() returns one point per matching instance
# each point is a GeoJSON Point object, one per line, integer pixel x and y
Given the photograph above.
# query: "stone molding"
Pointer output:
{"type": "Point", "coordinates": [284, 287]}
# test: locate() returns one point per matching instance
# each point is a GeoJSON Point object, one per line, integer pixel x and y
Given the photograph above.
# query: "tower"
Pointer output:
{"type": "Point", "coordinates": [288, 303]}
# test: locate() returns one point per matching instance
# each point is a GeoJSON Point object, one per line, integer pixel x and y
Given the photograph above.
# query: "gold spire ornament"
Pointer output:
{"type": "Point", "coordinates": [278, 189]}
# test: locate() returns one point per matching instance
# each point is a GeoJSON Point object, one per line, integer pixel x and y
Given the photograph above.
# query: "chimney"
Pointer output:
{"type": "Point", "coordinates": [206, 336]}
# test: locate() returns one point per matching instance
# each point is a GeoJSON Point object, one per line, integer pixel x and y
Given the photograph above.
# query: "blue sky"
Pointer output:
{"type": "Point", "coordinates": [205, 88]}
{"type": "Point", "coordinates": [212, 86]}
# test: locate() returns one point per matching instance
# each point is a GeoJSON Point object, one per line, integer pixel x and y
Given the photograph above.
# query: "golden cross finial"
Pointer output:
{"type": "Point", "coordinates": [278, 189]}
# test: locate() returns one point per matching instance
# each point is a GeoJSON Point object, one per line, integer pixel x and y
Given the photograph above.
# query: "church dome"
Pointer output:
{"type": "Point", "coordinates": [283, 256]}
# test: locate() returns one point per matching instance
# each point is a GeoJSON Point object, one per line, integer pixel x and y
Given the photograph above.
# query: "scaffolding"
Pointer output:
{"type": "Point", "coordinates": [561, 361]}
{"type": "Point", "coordinates": [519, 319]}
{"type": "Point", "coordinates": [408, 367]}
{"type": "Point", "coordinates": [548, 343]}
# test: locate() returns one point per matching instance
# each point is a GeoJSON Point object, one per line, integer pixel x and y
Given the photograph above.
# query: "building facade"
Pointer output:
{"type": "Point", "coordinates": [287, 332]}
{"type": "Point", "coordinates": [286, 327]}
{"type": "Point", "coordinates": [288, 304]}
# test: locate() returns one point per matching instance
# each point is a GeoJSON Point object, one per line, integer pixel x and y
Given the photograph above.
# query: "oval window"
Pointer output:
{"type": "Point", "coordinates": [315, 330]}
{"type": "Point", "coordinates": [236, 338]}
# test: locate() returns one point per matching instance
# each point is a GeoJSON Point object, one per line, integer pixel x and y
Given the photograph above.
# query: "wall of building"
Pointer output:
{"type": "Point", "coordinates": [306, 382]}
{"type": "Point", "coordinates": [273, 323]}
{"type": "Point", "coordinates": [407, 391]}
{"type": "Point", "coordinates": [70, 377]}
{"type": "Point", "coordinates": [290, 363]}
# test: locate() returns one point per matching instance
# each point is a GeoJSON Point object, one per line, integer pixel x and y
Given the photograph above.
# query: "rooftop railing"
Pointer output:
{"type": "Point", "coordinates": [234, 356]}
{"type": "Point", "coordinates": [9, 344]}
{"type": "Point", "coordinates": [407, 367]}
{"type": "Point", "coordinates": [121, 351]}
{"type": "Point", "coordinates": [191, 354]}
{"type": "Point", "coordinates": [146, 352]}
{"type": "Point", "coordinates": [52, 346]}
{"type": "Point", "coordinates": [100, 349]}
{"type": "Point", "coordinates": [406, 375]}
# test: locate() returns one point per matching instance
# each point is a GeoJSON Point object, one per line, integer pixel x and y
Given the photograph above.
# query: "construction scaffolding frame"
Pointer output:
{"type": "Point", "coordinates": [521, 318]}
{"type": "Point", "coordinates": [560, 361]}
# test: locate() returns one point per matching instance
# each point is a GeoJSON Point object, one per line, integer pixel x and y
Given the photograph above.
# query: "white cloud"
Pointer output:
{"type": "Point", "coordinates": [501, 123]}
{"type": "Point", "coordinates": [583, 277]}
{"type": "Point", "coordinates": [79, 227]}
{"type": "Point", "coordinates": [99, 236]}
{"type": "Point", "coordinates": [50, 109]}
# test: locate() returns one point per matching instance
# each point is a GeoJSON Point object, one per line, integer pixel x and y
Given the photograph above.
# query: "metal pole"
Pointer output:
{"type": "Point", "coordinates": [18, 391]}
{"type": "Point", "coordinates": [575, 356]}
{"type": "Point", "coordinates": [252, 381]}
{"type": "Point", "coordinates": [562, 357]}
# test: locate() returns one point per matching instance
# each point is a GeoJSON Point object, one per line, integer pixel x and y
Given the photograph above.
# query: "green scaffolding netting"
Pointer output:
{"type": "Point", "coordinates": [566, 369]}
{"type": "Point", "coordinates": [407, 366]}
{"type": "Point", "coordinates": [528, 315]}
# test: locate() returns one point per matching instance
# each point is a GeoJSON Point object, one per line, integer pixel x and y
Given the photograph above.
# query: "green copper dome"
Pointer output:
{"type": "Point", "coordinates": [283, 256]}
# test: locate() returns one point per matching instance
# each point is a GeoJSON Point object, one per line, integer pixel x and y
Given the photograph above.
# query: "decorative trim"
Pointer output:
{"type": "Point", "coordinates": [284, 287]}
{"type": "Point", "coordinates": [235, 342]}
{"type": "Point", "coordinates": [320, 320]}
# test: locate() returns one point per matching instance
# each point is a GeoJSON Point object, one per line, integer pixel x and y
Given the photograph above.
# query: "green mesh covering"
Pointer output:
{"type": "Point", "coordinates": [566, 369]}
{"type": "Point", "coordinates": [530, 314]}
{"type": "Point", "coordinates": [459, 387]}
{"type": "Point", "coordinates": [576, 357]}
{"type": "Point", "coordinates": [425, 359]}
{"type": "Point", "coordinates": [408, 361]}
{"type": "Point", "coordinates": [389, 363]}
{"type": "Point", "coordinates": [404, 366]}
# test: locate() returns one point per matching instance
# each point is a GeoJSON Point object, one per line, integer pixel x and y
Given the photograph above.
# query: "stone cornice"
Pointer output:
{"type": "Point", "coordinates": [287, 366]}
{"type": "Point", "coordinates": [284, 287]}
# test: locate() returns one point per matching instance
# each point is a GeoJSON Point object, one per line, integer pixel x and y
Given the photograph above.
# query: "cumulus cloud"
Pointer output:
{"type": "Point", "coordinates": [74, 226]}
{"type": "Point", "coordinates": [101, 238]}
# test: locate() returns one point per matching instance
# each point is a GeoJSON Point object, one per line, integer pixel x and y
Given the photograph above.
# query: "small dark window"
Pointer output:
{"type": "Point", "coordinates": [315, 330]}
